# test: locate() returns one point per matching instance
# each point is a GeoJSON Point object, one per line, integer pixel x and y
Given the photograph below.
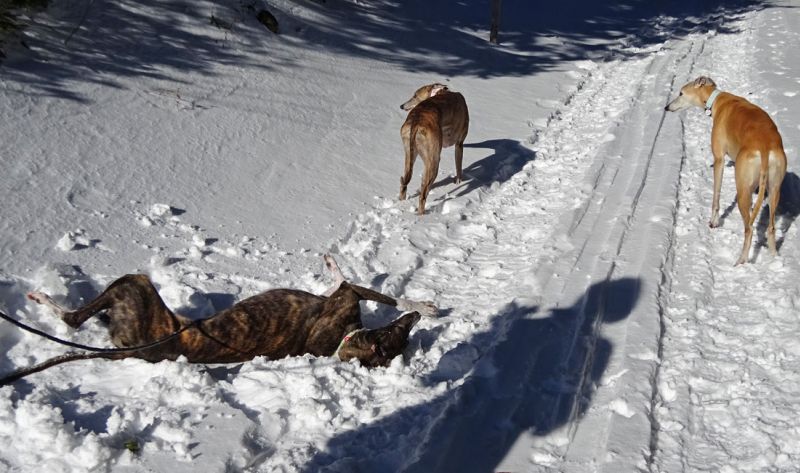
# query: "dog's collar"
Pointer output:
{"type": "Point", "coordinates": [712, 98]}
{"type": "Point", "coordinates": [345, 340]}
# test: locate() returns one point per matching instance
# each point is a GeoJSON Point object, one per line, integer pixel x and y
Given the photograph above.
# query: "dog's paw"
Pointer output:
{"type": "Point", "coordinates": [330, 263]}
{"type": "Point", "coordinates": [428, 309]}
{"type": "Point", "coordinates": [425, 308]}
{"type": "Point", "coordinates": [742, 260]}
{"type": "Point", "coordinates": [44, 299]}
{"type": "Point", "coordinates": [38, 297]}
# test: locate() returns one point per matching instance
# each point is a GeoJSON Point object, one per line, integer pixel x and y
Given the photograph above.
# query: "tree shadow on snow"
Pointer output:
{"type": "Point", "coordinates": [534, 373]}
{"type": "Point", "coordinates": [104, 41]}
{"type": "Point", "coordinates": [451, 38]}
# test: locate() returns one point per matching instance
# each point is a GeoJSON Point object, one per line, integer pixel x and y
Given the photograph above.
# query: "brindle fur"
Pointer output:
{"type": "Point", "coordinates": [437, 118]}
{"type": "Point", "coordinates": [276, 324]}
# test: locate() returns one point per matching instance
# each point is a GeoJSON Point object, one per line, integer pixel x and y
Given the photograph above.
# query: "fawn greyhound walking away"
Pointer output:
{"type": "Point", "coordinates": [437, 118]}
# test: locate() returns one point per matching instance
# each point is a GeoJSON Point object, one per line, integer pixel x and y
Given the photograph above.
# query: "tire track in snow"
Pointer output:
{"type": "Point", "coordinates": [623, 239]}
{"type": "Point", "coordinates": [665, 286]}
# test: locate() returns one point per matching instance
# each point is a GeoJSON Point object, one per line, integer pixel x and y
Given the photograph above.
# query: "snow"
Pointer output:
{"type": "Point", "coordinates": [590, 320]}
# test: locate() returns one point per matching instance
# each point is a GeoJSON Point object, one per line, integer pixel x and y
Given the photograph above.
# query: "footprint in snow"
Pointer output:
{"type": "Point", "coordinates": [76, 240]}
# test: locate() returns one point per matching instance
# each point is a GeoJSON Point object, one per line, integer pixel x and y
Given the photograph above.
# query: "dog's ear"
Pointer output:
{"type": "Point", "coordinates": [703, 81]}
{"type": "Point", "coordinates": [437, 88]}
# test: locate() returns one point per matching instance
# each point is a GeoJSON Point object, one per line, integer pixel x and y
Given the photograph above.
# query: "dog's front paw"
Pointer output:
{"type": "Point", "coordinates": [425, 308]}
{"type": "Point", "coordinates": [428, 309]}
{"type": "Point", "coordinates": [330, 263]}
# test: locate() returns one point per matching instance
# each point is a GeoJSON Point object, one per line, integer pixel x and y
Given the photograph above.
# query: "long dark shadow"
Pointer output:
{"type": "Point", "coordinates": [508, 157]}
{"type": "Point", "coordinates": [451, 38]}
{"type": "Point", "coordinates": [541, 379]}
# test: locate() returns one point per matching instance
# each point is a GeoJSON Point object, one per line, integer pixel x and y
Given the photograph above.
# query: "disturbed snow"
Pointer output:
{"type": "Point", "coordinates": [590, 320]}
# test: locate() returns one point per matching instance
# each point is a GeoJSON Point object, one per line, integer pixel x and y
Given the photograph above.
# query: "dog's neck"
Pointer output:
{"type": "Point", "coordinates": [346, 339]}
{"type": "Point", "coordinates": [712, 98]}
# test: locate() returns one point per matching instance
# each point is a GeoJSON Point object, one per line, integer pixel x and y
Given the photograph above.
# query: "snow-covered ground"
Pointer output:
{"type": "Point", "coordinates": [590, 320]}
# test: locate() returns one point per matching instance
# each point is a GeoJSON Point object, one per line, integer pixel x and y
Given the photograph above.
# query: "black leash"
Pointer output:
{"type": "Point", "coordinates": [96, 352]}
{"type": "Point", "coordinates": [98, 349]}
{"type": "Point", "coordinates": [21, 373]}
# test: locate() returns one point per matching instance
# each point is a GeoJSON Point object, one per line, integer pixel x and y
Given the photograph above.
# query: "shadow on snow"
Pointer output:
{"type": "Point", "coordinates": [508, 158]}
{"type": "Point", "coordinates": [536, 374]}
{"type": "Point", "coordinates": [450, 38]}
{"type": "Point", "coordinates": [103, 41]}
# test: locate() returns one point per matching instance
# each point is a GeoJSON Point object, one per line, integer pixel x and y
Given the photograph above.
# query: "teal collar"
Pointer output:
{"type": "Point", "coordinates": [712, 98]}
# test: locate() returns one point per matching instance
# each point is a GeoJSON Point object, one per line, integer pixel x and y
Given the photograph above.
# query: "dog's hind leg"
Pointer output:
{"type": "Point", "coordinates": [745, 200]}
{"type": "Point", "coordinates": [47, 301]}
{"type": "Point", "coordinates": [409, 147]}
{"type": "Point", "coordinates": [431, 170]}
{"type": "Point", "coordinates": [775, 177]}
{"type": "Point", "coordinates": [459, 160]}
{"type": "Point", "coordinates": [719, 156]}
{"type": "Point", "coordinates": [128, 293]}
{"type": "Point", "coordinates": [73, 318]}
{"type": "Point", "coordinates": [747, 178]}
{"type": "Point", "coordinates": [774, 197]}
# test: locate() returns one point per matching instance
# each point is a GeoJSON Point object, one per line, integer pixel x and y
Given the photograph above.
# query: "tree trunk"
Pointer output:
{"type": "Point", "coordinates": [495, 21]}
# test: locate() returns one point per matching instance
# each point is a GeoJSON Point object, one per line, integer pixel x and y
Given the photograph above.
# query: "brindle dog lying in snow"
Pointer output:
{"type": "Point", "coordinates": [275, 324]}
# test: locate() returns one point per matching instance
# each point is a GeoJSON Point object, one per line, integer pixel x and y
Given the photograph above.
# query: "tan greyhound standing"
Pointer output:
{"type": "Point", "coordinates": [748, 135]}
{"type": "Point", "coordinates": [437, 118]}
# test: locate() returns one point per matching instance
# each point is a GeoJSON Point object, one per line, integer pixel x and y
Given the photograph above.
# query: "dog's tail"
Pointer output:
{"type": "Point", "coordinates": [762, 185]}
{"type": "Point", "coordinates": [412, 143]}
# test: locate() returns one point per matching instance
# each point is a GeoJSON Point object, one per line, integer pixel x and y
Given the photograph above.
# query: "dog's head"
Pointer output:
{"type": "Point", "coordinates": [693, 94]}
{"type": "Point", "coordinates": [423, 93]}
{"type": "Point", "coordinates": [378, 347]}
